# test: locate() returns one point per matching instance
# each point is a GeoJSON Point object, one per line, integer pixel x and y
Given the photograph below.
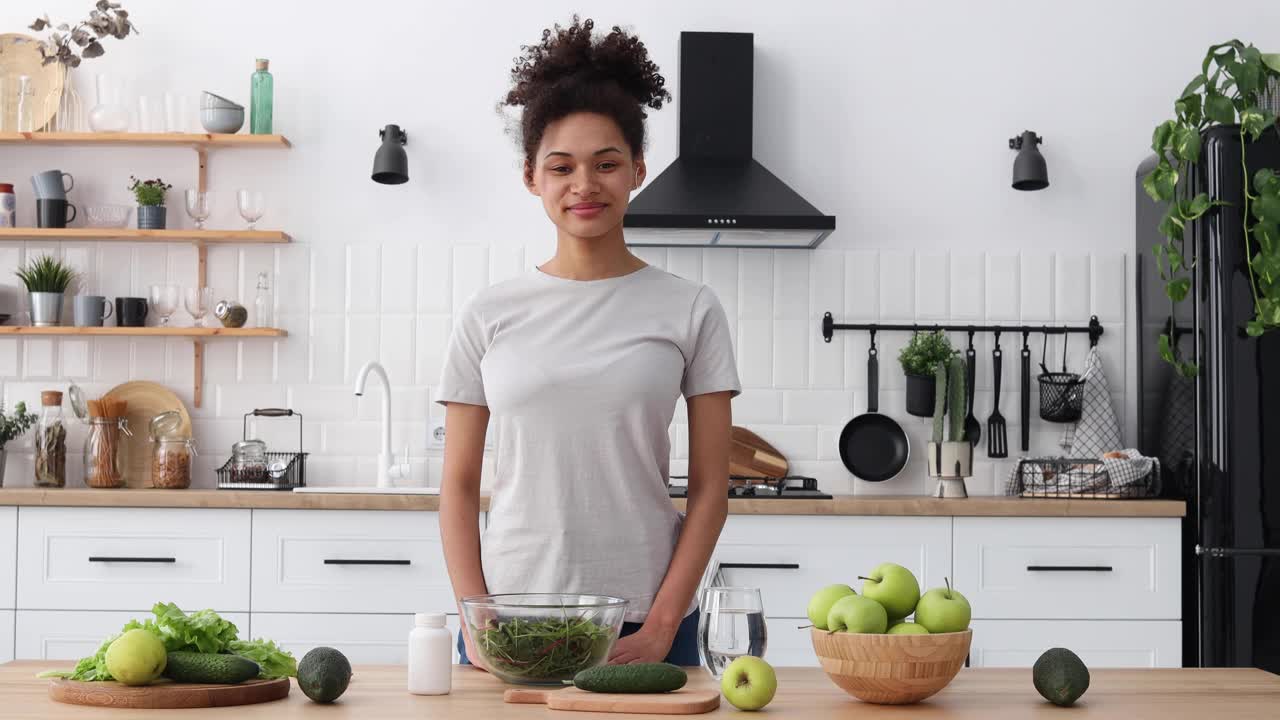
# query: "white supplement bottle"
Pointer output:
{"type": "Point", "coordinates": [430, 655]}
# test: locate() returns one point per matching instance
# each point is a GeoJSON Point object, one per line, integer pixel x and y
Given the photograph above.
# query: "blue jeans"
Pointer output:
{"type": "Point", "coordinates": [684, 648]}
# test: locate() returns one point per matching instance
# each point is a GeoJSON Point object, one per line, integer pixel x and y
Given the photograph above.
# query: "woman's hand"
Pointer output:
{"type": "Point", "coordinates": [646, 645]}
{"type": "Point", "coordinates": [472, 655]}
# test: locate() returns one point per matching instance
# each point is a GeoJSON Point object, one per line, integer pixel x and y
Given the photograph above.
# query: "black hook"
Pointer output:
{"type": "Point", "coordinates": [997, 339]}
{"type": "Point", "coordinates": [873, 339]}
{"type": "Point", "coordinates": [971, 332]}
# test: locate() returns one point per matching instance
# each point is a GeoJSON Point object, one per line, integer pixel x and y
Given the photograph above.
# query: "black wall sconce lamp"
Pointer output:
{"type": "Point", "coordinates": [1029, 169]}
{"type": "Point", "coordinates": [390, 163]}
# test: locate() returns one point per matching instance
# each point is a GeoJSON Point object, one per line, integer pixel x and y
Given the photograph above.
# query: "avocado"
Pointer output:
{"type": "Point", "coordinates": [633, 678]}
{"type": "Point", "coordinates": [223, 669]}
{"type": "Point", "coordinates": [323, 674]}
{"type": "Point", "coordinates": [1060, 676]}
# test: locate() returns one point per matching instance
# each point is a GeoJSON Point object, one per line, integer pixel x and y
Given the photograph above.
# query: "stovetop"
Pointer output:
{"type": "Point", "coordinates": [761, 488]}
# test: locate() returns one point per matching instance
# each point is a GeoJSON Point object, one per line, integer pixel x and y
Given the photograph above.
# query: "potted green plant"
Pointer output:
{"type": "Point", "coordinates": [150, 196]}
{"type": "Point", "coordinates": [46, 280]}
{"type": "Point", "coordinates": [918, 359]}
{"type": "Point", "coordinates": [950, 460]}
{"type": "Point", "coordinates": [11, 426]}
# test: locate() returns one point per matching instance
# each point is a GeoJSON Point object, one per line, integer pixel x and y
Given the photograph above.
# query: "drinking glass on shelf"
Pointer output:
{"type": "Point", "coordinates": [150, 114]}
{"type": "Point", "coordinates": [199, 301]}
{"type": "Point", "coordinates": [731, 625]}
{"type": "Point", "coordinates": [164, 300]}
{"type": "Point", "coordinates": [177, 112]}
{"type": "Point", "coordinates": [198, 206]}
{"type": "Point", "coordinates": [252, 205]}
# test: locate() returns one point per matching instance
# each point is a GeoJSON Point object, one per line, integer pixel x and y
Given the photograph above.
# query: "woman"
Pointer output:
{"type": "Point", "coordinates": [580, 362]}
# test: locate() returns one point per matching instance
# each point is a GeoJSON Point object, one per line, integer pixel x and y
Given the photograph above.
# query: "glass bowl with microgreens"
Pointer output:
{"type": "Point", "coordinates": [542, 638]}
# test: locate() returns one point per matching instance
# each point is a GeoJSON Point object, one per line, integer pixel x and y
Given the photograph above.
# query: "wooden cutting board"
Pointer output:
{"type": "Point", "coordinates": [166, 696]}
{"type": "Point", "coordinates": [750, 455]}
{"type": "Point", "coordinates": [679, 702]}
{"type": "Point", "coordinates": [146, 400]}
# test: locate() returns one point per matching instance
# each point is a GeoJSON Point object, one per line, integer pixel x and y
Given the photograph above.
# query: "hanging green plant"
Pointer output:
{"type": "Point", "coordinates": [1232, 79]}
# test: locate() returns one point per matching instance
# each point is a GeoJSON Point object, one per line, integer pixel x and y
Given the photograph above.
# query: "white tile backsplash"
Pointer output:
{"type": "Point", "coordinates": [897, 286]}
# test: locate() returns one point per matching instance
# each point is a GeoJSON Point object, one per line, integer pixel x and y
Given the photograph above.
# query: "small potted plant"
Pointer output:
{"type": "Point", "coordinates": [150, 197]}
{"type": "Point", "coordinates": [46, 280]}
{"type": "Point", "coordinates": [951, 461]}
{"type": "Point", "coordinates": [919, 358]}
{"type": "Point", "coordinates": [12, 426]}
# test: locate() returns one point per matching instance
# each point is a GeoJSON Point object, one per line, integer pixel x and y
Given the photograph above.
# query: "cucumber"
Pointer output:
{"type": "Point", "coordinates": [633, 678]}
{"type": "Point", "coordinates": [221, 669]}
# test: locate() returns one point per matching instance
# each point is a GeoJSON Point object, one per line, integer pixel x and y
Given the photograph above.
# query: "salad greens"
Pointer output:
{"type": "Point", "coordinates": [203, 631]}
{"type": "Point", "coordinates": [545, 649]}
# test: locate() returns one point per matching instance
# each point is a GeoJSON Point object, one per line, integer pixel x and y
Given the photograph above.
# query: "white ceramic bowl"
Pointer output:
{"type": "Point", "coordinates": [222, 120]}
{"type": "Point", "coordinates": [209, 100]}
{"type": "Point", "coordinates": [108, 216]}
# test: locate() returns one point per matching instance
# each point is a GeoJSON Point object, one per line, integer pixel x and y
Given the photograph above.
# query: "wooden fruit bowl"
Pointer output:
{"type": "Point", "coordinates": [891, 669]}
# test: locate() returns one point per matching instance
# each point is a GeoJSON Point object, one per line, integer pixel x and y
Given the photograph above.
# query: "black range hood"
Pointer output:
{"type": "Point", "coordinates": [716, 194]}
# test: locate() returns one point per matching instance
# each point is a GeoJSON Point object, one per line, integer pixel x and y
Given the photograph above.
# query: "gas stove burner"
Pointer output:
{"type": "Point", "coordinates": [760, 488]}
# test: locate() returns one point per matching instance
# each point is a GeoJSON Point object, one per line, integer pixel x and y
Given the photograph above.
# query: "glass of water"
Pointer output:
{"type": "Point", "coordinates": [731, 625]}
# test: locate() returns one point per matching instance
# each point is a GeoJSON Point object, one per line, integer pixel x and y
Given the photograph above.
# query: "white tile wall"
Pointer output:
{"type": "Point", "coordinates": [395, 302]}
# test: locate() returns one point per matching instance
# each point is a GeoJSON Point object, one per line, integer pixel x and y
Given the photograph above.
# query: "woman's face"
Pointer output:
{"type": "Point", "coordinates": [584, 171]}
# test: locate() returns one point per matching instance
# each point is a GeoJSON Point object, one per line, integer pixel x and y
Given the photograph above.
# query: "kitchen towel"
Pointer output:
{"type": "Point", "coordinates": [1097, 431]}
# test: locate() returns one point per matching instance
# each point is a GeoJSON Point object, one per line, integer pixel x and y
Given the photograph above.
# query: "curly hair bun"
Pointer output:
{"type": "Point", "coordinates": [569, 55]}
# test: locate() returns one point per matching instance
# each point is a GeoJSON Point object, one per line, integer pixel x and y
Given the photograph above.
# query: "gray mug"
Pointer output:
{"type": "Point", "coordinates": [48, 185]}
{"type": "Point", "coordinates": [90, 310]}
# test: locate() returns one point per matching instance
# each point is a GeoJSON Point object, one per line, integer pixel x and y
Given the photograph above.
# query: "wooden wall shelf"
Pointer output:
{"type": "Point", "coordinates": [195, 237]}
{"type": "Point", "coordinates": [199, 140]}
{"type": "Point", "coordinates": [182, 332]}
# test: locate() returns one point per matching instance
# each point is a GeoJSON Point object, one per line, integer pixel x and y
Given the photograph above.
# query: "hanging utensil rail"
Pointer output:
{"type": "Point", "coordinates": [1094, 328]}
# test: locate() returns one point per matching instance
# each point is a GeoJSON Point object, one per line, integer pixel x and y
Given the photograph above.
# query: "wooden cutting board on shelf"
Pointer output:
{"type": "Point", "coordinates": [750, 455]}
{"type": "Point", "coordinates": [679, 702]}
{"type": "Point", "coordinates": [146, 400]}
{"type": "Point", "coordinates": [167, 696]}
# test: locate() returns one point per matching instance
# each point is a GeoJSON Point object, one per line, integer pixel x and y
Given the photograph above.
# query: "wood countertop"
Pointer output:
{"type": "Point", "coordinates": [378, 691]}
{"type": "Point", "coordinates": [839, 505]}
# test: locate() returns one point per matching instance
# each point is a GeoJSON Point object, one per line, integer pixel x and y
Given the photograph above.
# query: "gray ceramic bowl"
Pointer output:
{"type": "Point", "coordinates": [222, 120]}
{"type": "Point", "coordinates": [209, 100]}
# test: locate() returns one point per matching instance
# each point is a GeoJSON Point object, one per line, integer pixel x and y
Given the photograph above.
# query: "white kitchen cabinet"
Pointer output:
{"type": "Point", "coordinates": [374, 639]}
{"type": "Point", "coordinates": [6, 635]}
{"type": "Point", "coordinates": [71, 635]}
{"type": "Point", "coordinates": [8, 556]}
{"type": "Point", "coordinates": [130, 558]}
{"type": "Point", "coordinates": [340, 561]}
{"type": "Point", "coordinates": [789, 557]}
{"type": "Point", "coordinates": [1069, 568]}
{"type": "Point", "coordinates": [1099, 643]}
{"type": "Point", "coordinates": [789, 644]}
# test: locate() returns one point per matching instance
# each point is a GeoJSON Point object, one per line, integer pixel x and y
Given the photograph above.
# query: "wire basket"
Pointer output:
{"type": "Point", "coordinates": [1081, 478]}
{"type": "Point", "coordinates": [1061, 393]}
{"type": "Point", "coordinates": [283, 470]}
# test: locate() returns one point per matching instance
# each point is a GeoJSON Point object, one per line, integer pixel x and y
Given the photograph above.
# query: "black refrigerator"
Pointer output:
{"type": "Point", "coordinates": [1218, 435]}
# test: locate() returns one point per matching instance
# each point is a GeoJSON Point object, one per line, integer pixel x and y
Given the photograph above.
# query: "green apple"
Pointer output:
{"type": "Point", "coordinates": [894, 587]}
{"type": "Point", "coordinates": [907, 628]}
{"type": "Point", "coordinates": [857, 614]}
{"type": "Point", "coordinates": [749, 683]}
{"type": "Point", "coordinates": [943, 610]}
{"type": "Point", "coordinates": [821, 602]}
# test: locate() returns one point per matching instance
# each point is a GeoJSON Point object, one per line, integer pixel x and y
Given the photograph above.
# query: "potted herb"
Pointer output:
{"type": "Point", "coordinates": [11, 426]}
{"type": "Point", "coordinates": [150, 197]}
{"type": "Point", "coordinates": [919, 358]}
{"type": "Point", "coordinates": [950, 460]}
{"type": "Point", "coordinates": [46, 280]}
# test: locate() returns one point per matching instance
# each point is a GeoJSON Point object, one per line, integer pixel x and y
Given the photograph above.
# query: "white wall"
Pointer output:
{"type": "Point", "coordinates": [892, 116]}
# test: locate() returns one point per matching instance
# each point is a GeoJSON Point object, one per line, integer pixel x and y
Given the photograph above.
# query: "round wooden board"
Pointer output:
{"type": "Point", "coordinates": [167, 696]}
{"type": "Point", "coordinates": [146, 400]}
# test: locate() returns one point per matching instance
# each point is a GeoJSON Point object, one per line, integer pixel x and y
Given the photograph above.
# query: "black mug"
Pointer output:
{"type": "Point", "coordinates": [52, 213]}
{"type": "Point", "coordinates": [131, 312]}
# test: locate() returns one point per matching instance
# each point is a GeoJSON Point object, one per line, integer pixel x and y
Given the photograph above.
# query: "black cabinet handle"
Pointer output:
{"type": "Point", "coordinates": [340, 561]}
{"type": "Point", "coordinates": [97, 558]}
{"type": "Point", "coordinates": [1068, 568]}
{"type": "Point", "coordinates": [760, 566]}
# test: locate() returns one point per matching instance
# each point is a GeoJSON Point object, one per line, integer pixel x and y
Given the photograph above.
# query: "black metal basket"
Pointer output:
{"type": "Point", "coordinates": [285, 470]}
{"type": "Point", "coordinates": [1061, 393]}
{"type": "Point", "coordinates": [1077, 478]}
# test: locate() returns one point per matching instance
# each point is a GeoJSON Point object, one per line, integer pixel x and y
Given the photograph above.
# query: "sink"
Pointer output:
{"type": "Point", "coordinates": [370, 490]}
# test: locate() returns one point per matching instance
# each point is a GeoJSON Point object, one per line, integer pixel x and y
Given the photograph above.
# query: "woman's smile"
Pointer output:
{"type": "Point", "coordinates": [587, 210]}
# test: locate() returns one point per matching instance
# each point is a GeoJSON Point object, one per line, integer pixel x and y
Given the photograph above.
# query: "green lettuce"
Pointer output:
{"type": "Point", "coordinates": [203, 631]}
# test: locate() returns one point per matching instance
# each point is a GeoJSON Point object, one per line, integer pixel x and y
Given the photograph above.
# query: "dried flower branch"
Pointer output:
{"type": "Point", "coordinates": [107, 19]}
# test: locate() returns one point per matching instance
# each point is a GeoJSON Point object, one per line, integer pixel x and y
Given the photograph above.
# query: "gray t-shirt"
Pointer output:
{"type": "Point", "coordinates": [581, 379]}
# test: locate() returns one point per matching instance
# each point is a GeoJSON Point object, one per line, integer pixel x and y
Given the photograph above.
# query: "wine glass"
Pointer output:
{"type": "Point", "coordinates": [251, 204]}
{"type": "Point", "coordinates": [198, 206]}
{"type": "Point", "coordinates": [198, 301]}
{"type": "Point", "coordinates": [731, 625]}
{"type": "Point", "coordinates": [164, 300]}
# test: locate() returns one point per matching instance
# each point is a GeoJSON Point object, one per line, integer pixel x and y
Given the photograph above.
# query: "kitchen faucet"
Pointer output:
{"type": "Point", "coordinates": [388, 468]}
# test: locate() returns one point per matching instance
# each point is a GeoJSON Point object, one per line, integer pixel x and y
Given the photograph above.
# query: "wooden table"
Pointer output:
{"type": "Point", "coordinates": [377, 692]}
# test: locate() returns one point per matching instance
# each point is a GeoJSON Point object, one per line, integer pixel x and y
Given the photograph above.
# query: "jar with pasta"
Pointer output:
{"type": "Point", "coordinates": [171, 453]}
{"type": "Point", "coordinates": [103, 452]}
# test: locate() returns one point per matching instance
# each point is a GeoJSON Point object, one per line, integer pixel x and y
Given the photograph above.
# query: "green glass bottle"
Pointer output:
{"type": "Point", "coordinates": [260, 92]}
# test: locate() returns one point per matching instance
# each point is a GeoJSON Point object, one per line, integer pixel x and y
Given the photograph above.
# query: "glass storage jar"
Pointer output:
{"type": "Point", "coordinates": [249, 461]}
{"type": "Point", "coordinates": [104, 460]}
{"type": "Point", "coordinates": [171, 463]}
{"type": "Point", "coordinates": [51, 442]}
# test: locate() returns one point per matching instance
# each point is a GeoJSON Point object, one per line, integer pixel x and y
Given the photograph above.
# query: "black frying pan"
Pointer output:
{"type": "Point", "coordinates": [874, 447]}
